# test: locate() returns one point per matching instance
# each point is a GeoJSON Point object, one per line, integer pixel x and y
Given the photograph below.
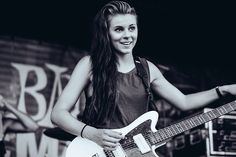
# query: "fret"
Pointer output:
{"type": "Point", "coordinates": [179, 127]}
{"type": "Point", "coordinates": [158, 136]}
{"type": "Point", "coordinates": [228, 108]}
{"type": "Point", "coordinates": [192, 122]}
{"type": "Point", "coordinates": [212, 115]}
{"type": "Point", "coordinates": [184, 125]}
{"type": "Point", "coordinates": [222, 111]}
{"type": "Point", "coordinates": [173, 130]}
{"type": "Point", "coordinates": [216, 113]}
{"type": "Point", "coordinates": [195, 121]}
{"type": "Point", "coordinates": [169, 131]}
{"type": "Point", "coordinates": [233, 104]}
{"type": "Point", "coordinates": [204, 117]}
{"type": "Point", "coordinates": [166, 133]}
{"type": "Point", "coordinates": [232, 108]}
{"type": "Point", "coordinates": [162, 134]}
{"type": "Point", "coordinates": [152, 138]}
{"type": "Point", "coordinates": [219, 111]}
{"type": "Point", "coordinates": [201, 119]}
{"type": "Point", "coordinates": [225, 109]}
{"type": "Point", "coordinates": [208, 117]}
{"type": "Point", "coordinates": [209, 114]}
{"type": "Point", "coordinates": [189, 124]}
{"type": "Point", "coordinates": [198, 121]}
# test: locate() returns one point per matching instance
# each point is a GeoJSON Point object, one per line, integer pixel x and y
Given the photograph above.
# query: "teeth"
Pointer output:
{"type": "Point", "coordinates": [126, 43]}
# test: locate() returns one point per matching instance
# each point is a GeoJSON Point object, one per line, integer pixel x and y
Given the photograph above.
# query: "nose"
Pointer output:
{"type": "Point", "coordinates": [127, 34]}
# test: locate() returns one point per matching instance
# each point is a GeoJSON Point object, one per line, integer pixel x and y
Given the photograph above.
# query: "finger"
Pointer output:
{"type": "Point", "coordinates": [110, 139]}
{"type": "Point", "coordinates": [114, 134]}
{"type": "Point", "coordinates": [109, 148]}
{"type": "Point", "coordinates": [110, 144]}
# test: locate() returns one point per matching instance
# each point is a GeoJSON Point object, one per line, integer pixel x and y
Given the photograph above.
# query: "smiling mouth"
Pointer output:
{"type": "Point", "coordinates": [126, 43]}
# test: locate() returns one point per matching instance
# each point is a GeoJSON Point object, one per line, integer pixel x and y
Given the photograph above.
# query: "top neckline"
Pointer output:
{"type": "Point", "coordinates": [126, 73]}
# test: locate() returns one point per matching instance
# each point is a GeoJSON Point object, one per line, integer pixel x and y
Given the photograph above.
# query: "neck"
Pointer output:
{"type": "Point", "coordinates": [125, 62]}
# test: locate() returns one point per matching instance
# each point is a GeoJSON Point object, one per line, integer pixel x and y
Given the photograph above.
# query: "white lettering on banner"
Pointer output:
{"type": "Point", "coordinates": [31, 144]}
{"type": "Point", "coordinates": [32, 90]}
{"type": "Point", "coordinates": [26, 145]}
{"type": "Point", "coordinates": [57, 83]}
{"type": "Point", "coordinates": [43, 115]}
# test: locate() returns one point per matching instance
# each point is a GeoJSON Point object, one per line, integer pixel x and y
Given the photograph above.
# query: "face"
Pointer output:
{"type": "Point", "coordinates": [123, 32]}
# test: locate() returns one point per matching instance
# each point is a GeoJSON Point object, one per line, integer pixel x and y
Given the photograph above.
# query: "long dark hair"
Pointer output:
{"type": "Point", "coordinates": [104, 63]}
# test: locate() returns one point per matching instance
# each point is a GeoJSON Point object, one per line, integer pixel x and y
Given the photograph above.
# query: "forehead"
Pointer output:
{"type": "Point", "coordinates": [122, 20]}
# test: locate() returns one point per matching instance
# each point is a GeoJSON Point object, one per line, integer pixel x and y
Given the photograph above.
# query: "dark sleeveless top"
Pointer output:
{"type": "Point", "coordinates": [131, 99]}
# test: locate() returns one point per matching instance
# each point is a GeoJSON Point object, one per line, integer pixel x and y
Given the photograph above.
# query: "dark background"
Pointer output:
{"type": "Point", "coordinates": [195, 40]}
{"type": "Point", "coordinates": [184, 33]}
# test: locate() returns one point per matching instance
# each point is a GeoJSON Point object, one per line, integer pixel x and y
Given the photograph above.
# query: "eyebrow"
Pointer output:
{"type": "Point", "coordinates": [122, 26]}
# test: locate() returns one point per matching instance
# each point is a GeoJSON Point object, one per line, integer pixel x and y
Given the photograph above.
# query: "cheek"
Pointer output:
{"type": "Point", "coordinates": [115, 36]}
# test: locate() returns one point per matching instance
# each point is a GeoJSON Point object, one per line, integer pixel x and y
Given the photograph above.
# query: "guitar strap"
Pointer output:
{"type": "Point", "coordinates": [142, 73]}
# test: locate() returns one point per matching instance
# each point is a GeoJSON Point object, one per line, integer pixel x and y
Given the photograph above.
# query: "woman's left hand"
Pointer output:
{"type": "Point", "coordinates": [228, 89]}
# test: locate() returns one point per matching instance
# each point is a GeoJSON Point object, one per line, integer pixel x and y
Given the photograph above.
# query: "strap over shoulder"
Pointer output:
{"type": "Point", "coordinates": [143, 74]}
{"type": "Point", "coordinates": [141, 71]}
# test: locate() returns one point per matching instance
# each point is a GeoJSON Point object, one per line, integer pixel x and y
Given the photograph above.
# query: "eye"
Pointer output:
{"type": "Point", "coordinates": [132, 28]}
{"type": "Point", "coordinates": [119, 29]}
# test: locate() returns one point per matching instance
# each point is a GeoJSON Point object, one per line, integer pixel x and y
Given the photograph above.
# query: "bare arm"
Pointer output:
{"type": "Point", "coordinates": [61, 112]}
{"type": "Point", "coordinates": [185, 102]}
{"type": "Point", "coordinates": [23, 123]}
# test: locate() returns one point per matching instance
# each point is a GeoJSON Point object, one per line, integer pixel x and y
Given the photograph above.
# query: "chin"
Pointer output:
{"type": "Point", "coordinates": [126, 51]}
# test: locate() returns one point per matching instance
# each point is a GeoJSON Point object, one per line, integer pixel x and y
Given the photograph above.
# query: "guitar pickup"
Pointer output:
{"type": "Point", "coordinates": [142, 144]}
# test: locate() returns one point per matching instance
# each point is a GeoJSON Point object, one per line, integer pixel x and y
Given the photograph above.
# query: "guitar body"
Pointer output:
{"type": "Point", "coordinates": [142, 138]}
{"type": "Point", "coordinates": [134, 144]}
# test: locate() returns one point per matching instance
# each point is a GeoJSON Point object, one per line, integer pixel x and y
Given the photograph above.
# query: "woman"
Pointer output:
{"type": "Point", "coordinates": [22, 124]}
{"type": "Point", "coordinates": [115, 94]}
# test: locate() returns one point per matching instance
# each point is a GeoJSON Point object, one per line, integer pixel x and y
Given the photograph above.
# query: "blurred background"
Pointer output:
{"type": "Point", "coordinates": [192, 42]}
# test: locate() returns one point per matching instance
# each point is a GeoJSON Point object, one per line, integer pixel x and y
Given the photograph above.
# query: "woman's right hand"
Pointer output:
{"type": "Point", "coordinates": [106, 138]}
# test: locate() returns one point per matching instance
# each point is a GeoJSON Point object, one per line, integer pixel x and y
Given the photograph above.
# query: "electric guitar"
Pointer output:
{"type": "Point", "coordinates": [141, 137]}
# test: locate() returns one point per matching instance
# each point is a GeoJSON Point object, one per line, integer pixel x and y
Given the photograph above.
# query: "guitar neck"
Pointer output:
{"type": "Point", "coordinates": [180, 127]}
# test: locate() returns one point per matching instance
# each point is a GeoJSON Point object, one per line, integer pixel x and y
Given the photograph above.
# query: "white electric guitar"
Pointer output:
{"type": "Point", "coordinates": [141, 137]}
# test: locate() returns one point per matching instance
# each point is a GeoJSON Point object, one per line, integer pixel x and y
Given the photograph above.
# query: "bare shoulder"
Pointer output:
{"type": "Point", "coordinates": [84, 61]}
{"type": "Point", "coordinates": [155, 73]}
{"type": "Point", "coordinates": [84, 64]}
{"type": "Point", "coordinates": [82, 70]}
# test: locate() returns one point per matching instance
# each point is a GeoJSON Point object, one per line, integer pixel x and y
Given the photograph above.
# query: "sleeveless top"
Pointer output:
{"type": "Point", "coordinates": [131, 99]}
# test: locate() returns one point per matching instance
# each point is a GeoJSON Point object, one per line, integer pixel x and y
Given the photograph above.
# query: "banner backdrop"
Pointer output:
{"type": "Point", "coordinates": [32, 75]}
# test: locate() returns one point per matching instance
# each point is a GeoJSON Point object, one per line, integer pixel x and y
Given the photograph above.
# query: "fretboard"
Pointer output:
{"type": "Point", "coordinates": [180, 127]}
